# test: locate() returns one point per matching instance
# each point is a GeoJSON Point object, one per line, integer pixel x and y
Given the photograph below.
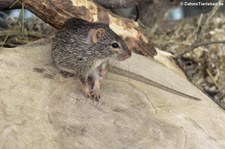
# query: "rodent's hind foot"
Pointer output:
{"type": "Point", "coordinates": [66, 74]}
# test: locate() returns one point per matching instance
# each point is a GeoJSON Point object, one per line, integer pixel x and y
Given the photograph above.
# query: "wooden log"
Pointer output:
{"type": "Point", "coordinates": [9, 4]}
{"type": "Point", "coordinates": [56, 12]}
{"type": "Point", "coordinates": [41, 109]}
{"type": "Point", "coordinates": [120, 4]}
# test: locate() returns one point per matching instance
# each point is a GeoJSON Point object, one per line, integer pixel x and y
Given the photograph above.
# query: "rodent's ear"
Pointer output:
{"type": "Point", "coordinates": [95, 35]}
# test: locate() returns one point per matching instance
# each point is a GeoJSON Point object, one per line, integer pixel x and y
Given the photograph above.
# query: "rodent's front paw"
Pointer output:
{"type": "Point", "coordinates": [86, 91]}
{"type": "Point", "coordinates": [95, 94]}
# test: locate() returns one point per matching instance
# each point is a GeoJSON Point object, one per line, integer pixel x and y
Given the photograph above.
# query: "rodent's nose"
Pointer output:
{"type": "Point", "coordinates": [128, 54]}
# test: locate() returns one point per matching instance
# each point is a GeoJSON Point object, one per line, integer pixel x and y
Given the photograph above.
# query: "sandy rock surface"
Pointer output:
{"type": "Point", "coordinates": [41, 109]}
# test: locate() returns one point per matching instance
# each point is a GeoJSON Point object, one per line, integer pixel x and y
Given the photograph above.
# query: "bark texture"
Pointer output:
{"type": "Point", "coordinates": [120, 3]}
{"type": "Point", "coordinates": [7, 4]}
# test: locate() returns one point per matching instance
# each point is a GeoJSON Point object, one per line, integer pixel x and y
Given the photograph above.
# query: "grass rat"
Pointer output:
{"type": "Point", "coordinates": [83, 48]}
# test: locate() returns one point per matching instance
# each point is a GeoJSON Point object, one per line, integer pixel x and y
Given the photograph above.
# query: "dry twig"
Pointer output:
{"type": "Point", "coordinates": [194, 46]}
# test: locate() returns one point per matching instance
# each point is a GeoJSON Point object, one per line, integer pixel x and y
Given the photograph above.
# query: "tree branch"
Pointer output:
{"type": "Point", "coordinates": [194, 46]}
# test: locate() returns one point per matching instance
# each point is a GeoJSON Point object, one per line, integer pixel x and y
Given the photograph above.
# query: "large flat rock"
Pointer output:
{"type": "Point", "coordinates": [41, 109]}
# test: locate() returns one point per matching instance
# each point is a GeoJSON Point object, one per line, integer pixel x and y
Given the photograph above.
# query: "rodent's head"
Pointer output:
{"type": "Point", "coordinates": [108, 42]}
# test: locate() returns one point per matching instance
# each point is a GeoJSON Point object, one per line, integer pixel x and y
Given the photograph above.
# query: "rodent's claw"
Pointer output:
{"type": "Point", "coordinates": [96, 97]}
{"type": "Point", "coordinates": [86, 91]}
{"type": "Point", "coordinates": [95, 94]}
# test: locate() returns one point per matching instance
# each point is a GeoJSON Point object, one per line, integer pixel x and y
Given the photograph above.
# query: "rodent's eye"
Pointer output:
{"type": "Point", "coordinates": [115, 45]}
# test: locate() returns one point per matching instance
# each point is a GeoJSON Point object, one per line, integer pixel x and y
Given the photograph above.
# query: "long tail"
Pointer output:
{"type": "Point", "coordinates": [137, 77]}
